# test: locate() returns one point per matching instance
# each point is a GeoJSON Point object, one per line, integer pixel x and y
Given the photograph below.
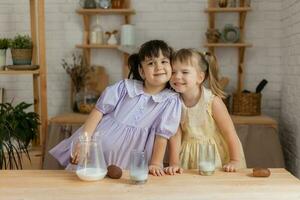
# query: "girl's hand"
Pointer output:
{"type": "Point", "coordinates": [75, 159]}
{"type": "Point", "coordinates": [172, 170]}
{"type": "Point", "coordinates": [75, 149]}
{"type": "Point", "coordinates": [231, 166]}
{"type": "Point", "coordinates": [156, 170]}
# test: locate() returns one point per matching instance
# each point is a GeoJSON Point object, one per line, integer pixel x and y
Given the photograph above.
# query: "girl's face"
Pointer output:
{"type": "Point", "coordinates": [156, 71]}
{"type": "Point", "coordinates": [185, 78]}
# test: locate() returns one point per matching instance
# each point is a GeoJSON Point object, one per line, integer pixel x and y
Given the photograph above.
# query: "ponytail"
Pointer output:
{"type": "Point", "coordinates": [134, 64]}
{"type": "Point", "coordinates": [212, 73]}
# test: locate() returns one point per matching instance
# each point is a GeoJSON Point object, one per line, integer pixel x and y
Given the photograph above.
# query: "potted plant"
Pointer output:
{"type": "Point", "coordinates": [18, 129]}
{"type": "Point", "coordinates": [21, 50]}
{"type": "Point", "coordinates": [4, 42]}
{"type": "Point", "coordinates": [78, 71]}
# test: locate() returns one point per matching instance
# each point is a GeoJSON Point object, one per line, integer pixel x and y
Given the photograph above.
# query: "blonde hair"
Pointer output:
{"type": "Point", "coordinates": [206, 62]}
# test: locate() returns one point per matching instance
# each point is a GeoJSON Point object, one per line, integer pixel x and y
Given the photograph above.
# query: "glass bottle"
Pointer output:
{"type": "Point", "coordinates": [96, 34]}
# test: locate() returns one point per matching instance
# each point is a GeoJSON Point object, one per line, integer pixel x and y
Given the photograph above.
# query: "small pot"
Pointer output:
{"type": "Point", "coordinates": [2, 57]}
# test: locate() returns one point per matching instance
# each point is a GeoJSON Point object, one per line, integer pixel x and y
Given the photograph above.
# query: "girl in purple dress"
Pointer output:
{"type": "Point", "coordinates": [139, 113]}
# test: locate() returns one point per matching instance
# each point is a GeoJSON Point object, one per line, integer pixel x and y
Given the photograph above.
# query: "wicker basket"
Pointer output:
{"type": "Point", "coordinates": [248, 104]}
{"type": "Point", "coordinates": [21, 56]}
{"type": "Point", "coordinates": [226, 101]}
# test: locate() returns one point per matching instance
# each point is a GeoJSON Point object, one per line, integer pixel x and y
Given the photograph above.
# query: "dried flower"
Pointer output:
{"type": "Point", "coordinates": [77, 70]}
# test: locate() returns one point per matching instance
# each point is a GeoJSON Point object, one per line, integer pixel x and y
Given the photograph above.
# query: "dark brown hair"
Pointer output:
{"type": "Point", "coordinates": [148, 50]}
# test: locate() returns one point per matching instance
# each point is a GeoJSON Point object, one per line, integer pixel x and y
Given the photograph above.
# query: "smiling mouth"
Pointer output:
{"type": "Point", "coordinates": [159, 74]}
{"type": "Point", "coordinates": [179, 84]}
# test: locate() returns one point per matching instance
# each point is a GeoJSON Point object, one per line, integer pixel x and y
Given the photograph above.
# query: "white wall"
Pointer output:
{"type": "Point", "coordinates": [182, 23]}
{"type": "Point", "coordinates": [290, 106]}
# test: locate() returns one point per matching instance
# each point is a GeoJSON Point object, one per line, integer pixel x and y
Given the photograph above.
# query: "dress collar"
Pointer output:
{"type": "Point", "coordinates": [135, 88]}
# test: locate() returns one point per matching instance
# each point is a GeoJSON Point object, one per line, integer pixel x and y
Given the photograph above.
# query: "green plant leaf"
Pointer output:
{"type": "Point", "coordinates": [21, 42]}
{"type": "Point", "coordinates": [17, 129]}
{"type": "Point", "coordinates": [4, 43]}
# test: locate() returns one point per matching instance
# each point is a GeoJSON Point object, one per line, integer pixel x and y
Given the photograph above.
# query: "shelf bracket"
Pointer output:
{"type": "Point", "coordinates": [211, 20]}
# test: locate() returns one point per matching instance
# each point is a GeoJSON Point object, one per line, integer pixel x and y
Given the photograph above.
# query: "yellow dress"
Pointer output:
{"type": "Point", "coordinates": [198, 126]}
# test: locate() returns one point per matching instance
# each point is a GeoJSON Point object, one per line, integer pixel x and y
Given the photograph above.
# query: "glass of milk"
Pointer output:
{"type": "Point", "coordinates": [138, 167]}
{"type": "Point", "coordinates": [91, 165]}
{"type": "Point", "coordinates": [207, 159]}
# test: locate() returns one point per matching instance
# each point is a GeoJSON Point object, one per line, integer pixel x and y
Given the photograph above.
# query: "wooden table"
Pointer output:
{"type": "Point", "coordinates": [60, 184]}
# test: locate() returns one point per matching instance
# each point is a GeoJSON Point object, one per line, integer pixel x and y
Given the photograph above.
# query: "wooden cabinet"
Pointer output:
{"type": "Point", "coordinates": [242, 10]}
{"type": "Point", "coordinates": [39, 76]}
{"type": "Point", "coordinates": [87, 14]}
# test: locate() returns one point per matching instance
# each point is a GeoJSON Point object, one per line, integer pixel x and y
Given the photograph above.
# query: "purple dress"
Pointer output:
{"type": "Point", "coordinates": [131, 119]}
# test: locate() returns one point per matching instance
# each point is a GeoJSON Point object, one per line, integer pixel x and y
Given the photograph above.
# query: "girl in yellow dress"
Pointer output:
{"type": "Point", "coordinates": [205, 118]}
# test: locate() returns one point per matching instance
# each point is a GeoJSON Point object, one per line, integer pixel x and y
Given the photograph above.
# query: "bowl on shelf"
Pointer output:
{"type": "Point", "coordinates": [230, 34]}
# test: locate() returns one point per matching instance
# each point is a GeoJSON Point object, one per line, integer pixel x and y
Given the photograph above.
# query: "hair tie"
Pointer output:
{"type": "Point", "coordinates": [205, 59]}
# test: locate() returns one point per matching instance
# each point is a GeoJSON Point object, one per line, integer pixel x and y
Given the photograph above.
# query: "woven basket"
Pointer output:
{"type": "Point", "coordinates": [248, 104]}
{"type": "Point", "coordinates": [226, 101]}
{"type": "Point", "coordinates": [21, 56]}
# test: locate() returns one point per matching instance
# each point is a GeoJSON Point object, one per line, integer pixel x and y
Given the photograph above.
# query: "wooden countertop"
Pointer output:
{"type": "Point", "coordinates": [63, 185]}
{"type": "Point", "coordinates": [69, 118]}
{"type": "Point", "coordinates": [77, 118]}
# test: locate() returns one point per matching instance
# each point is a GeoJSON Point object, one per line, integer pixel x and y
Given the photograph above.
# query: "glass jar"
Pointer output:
{"type": "Point", "coordinates": [96, 34]}
{"type": "Point", "coordinates": [86, 101]}
{"type": "Point", "coordinates": [117, 4]}
{"type": "Point", "coordinates": [87, 4]}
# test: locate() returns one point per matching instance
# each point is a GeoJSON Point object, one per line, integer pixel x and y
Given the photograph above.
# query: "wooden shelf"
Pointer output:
{"type": "Point", "coordinates": [69, 118]}
{"type": "Point", "coordinates": [237, 9]}
{"type": "Point", "coordinates": [39, 75]}
{"type": "Point", "coordinates": [18, 72]}
{"type": "Point", "coordinates": [124, 11]}
{"type": "Point", "coordinates": [97, 46]}
{"type": "Point", "coordinates": [242, 12]}
{"type": "Point", "coordinates": [228, 45]}
{"type": "Point", "coordinates": [87, 15]}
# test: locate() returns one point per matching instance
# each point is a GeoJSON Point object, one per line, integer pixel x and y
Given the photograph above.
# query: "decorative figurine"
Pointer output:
{"type": "Point", "coordinates": [112, 40]}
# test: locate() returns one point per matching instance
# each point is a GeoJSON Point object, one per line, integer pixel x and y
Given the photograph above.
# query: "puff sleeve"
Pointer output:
{"type": "Point", "coordinates": [110, 97]}
{"type": "Point", "coordinates": [168, 121]}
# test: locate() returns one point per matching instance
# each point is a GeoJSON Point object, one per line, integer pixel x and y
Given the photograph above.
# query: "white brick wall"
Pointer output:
{"type": "Point", "coordinates": [273, 27]}
{"type": "Point", "coordinates": [181, 23]}
{"type": "Point", "coordinates": [290, 103]}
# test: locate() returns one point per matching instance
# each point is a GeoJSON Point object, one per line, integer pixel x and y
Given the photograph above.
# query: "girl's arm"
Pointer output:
{"type": "Point", "coordinates": [225, 125]}
{"type": "Point", "coordinates": [174, 145]}
{"type": "Point", "coordinates": [158, 153]}
{"type": "Point", "coordinates": [91, 123]}
{"type": "Point", "coordinates": [88, 129]}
